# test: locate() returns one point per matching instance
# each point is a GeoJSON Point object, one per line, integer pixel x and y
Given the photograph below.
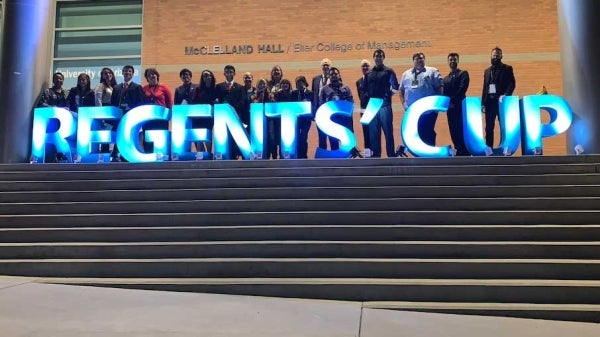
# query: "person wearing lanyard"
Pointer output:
{"type": "Point", "coordinates": [418, 82]}
{"type": "Point", "coordinates": [183, 93]}
{"type": "Point", "coordinates": [498, 81]}
{"type": "Point", "coordinates": [155, 93]}
{"type": "Point", "coordinates": [125, 96]}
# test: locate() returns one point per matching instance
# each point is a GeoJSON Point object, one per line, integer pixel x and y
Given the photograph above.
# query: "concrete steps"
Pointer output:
{"type": "Point", "coordinates": [500, 236]}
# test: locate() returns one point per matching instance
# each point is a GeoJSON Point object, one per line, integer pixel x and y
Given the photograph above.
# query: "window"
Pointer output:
{"type": "Point", "coordinates": [90, 35]}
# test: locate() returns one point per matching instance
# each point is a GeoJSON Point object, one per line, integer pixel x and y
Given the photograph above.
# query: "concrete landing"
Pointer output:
{"type": "Point", "coordinates": [34, 309]}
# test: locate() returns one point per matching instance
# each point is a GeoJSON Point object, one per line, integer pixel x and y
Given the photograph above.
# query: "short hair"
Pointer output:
{"type": "Point", "coordinates": [379, 51]}
{"type": "Point", "coordinates": [365, 61]}
{"type": "Point", "coordinates": [332, 69]}
{"type": "Point", "coordinates": [185, 70]}
{"type": "Point", "coordinates": [497, 48]}
{"type": "Point", "coordinates": [453, 55]}
{"type": "Point", "coordinates": [301, 79]}
{"type": "Point", "coordinates": [415, 55]}
{"type": "Point", "coordinates": [128, 67]}
{"type": "Point", "coordinates": [151, 71]}
{"type": "Point", "coordinates": [58, 73]}
{"type": "Point", "coordinates": [285, 80]}
{"type": "Point", "coordinates": [326, 61]}
{"type": "Point", "coordinates": [229, 67]}
{"type": "Point", "coordinates": [248, 74]}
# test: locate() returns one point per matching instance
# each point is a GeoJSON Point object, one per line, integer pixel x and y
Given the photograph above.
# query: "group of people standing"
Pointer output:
{"type": "Point", "coordinates": [422, 81]}
{"type": "Point", "coordinates": [378, 81]}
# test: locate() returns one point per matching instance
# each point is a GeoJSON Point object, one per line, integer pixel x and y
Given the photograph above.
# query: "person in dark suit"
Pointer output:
{"type": "Point", "coordinates": [184, 92]}
{"type": "Point", "coordinates": [302, 94]}
{"type": "Point", "coordinates": [498, 81]}
{"type": "Point", "coordinates": [126, 95]}
{"type": "Point", "coordinates": [234, 93]}
{"type": "Point", "coordinates": [455, 86]}
{"type": "Point", "coordinates": [363, 97]}
{"type": "Point", "coordinates": [318, 82]}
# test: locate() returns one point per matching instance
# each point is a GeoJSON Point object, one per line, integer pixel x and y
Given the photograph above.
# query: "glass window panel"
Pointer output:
{"type": "Point", "coordinates": [98, 13]}
{"type": "Point", "coordinates": [72, 68]}
{"type": "Point", "coordinates": [98, 43]}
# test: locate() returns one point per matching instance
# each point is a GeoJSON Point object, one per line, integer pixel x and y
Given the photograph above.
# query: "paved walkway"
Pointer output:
{"type": "Point", "coordinates": [34, 309]}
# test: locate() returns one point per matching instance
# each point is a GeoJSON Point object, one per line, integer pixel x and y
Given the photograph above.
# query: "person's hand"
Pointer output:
{"type": "Point", "coordinates": [500, 98]}
{"type": "Point", "coordinates": [483, 109]}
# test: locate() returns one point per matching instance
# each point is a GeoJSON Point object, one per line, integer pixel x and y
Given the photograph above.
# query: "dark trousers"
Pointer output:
{"type": "Point", "coordinates": [334, 144]}
{"type": "Point", "coordinates": [273, 137]}
{"type": "Point", "coordinates": [491, 113]}
{"type": "Point", "coordinates": [104, 148]}
{"type": "Point", "coordinates": [304, 124]}
{"type": "Point", "coordinates": [455, 124]}
{"type": "Point", "coordinates": [426, 127]}
{"type": "Point", "coordinates": [366, 137]}
{"type": "Point", "coordinates": [382, 121]}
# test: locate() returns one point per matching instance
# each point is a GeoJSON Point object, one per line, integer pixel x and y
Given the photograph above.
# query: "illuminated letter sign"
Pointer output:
{"type": "Point", "coordinates": [517, 120]}
{"type": "Point", "coordinates": [330, 128]}
{"type": "Point", "coordinates": [514, 122]}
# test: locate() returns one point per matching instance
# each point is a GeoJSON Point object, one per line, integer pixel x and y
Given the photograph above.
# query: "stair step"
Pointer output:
{"type": "Point", "coordinates": [549, 217]}
{"type": "Point", "coordinates": [563, 312]}
{"type": "Point", "coordinates": [497, 233]}
{"type": "Point", "coordinates": [119, 183]}
{"type": "Point", "coordinates": [300, 205]}
{"type": "Point", "coordinates": [303, 249]}
{"type": "Point", "coordinates": [365, 289]}
{"type": "Point", "coordinates": [303, 193]}
{"type": "Point", "coordinates": [305, 267]}
{"type": "Point", "coordinates": [270, 171]}
{"type": "Point", "coordinates": [229, 164]}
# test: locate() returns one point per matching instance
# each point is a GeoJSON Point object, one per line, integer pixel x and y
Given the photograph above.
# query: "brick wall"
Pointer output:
{"type": "Point", "coordinates": [527, 31]}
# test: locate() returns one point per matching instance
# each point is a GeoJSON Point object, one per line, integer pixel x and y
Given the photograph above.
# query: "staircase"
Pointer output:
{"type": "Point", "coordinates": [498, 236]}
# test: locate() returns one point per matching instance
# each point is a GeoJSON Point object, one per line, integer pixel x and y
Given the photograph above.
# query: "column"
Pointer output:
{"type": "Point", "coordinates": [24, 71]}
{"type": "Point", "coordinates": [580, 57]}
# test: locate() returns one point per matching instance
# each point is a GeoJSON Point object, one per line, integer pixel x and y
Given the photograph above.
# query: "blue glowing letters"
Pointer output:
{"type": "Point", "coordinates": [79, 135]}
{"type": "Point", "coordinates": [516, 121]}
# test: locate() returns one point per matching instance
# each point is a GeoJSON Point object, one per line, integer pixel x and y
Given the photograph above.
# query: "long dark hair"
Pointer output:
{"type": "Point", "coordinates": [113, 81]}
{"type": "Point", "coordinates": [87, 88]}
{"type": "Point", "coordinates": [205, 94]}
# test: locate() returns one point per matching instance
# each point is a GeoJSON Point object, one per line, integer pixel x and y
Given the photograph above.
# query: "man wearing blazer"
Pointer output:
{"type": "Point", "coordinates": [126, 95]}
{"type": "Point", "coordinates": [318, 82]}
{"type": "Point", "coordinates": [498, 81]}
{"type": "Point", "coordinates": [234, 93]}
{"type": "Point", "coordinates": [365, 67]}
